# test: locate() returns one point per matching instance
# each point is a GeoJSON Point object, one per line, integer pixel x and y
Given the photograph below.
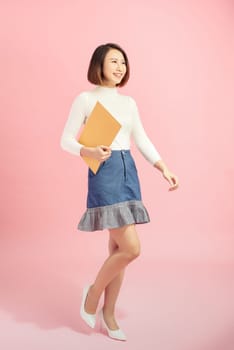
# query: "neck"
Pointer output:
{"type": "Point", "coordinates": [108, 86]}
{"type": "Point", "coordinates": [106, 89]}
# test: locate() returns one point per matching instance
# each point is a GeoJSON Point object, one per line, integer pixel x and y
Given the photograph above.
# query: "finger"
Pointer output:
{"type": "Point", "coordinates": [106, 155]}
{"type": "Point", "coordinates": [174, 187]}
{"type": "Point", "coordinates": [105, 148]}
{"type": "Point", "coordinates": [174, 180]}
{"type": "Point", "coordinates": [169, 180]}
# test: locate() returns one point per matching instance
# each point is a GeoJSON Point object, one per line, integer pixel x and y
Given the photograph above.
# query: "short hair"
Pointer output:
{"type": "Point", "coordinates": [95, 71]}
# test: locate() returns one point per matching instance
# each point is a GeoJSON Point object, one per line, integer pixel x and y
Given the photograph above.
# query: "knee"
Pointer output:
{"type": "Point", "coordinates": [132, 253]}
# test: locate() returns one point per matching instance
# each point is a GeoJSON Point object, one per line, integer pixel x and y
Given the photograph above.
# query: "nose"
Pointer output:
{"type": "Point", "coordinates": [119, 67]}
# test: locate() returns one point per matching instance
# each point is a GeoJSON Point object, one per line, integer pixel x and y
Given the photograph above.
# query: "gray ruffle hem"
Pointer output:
{"type": "Point", "coordinates": [113, 216]}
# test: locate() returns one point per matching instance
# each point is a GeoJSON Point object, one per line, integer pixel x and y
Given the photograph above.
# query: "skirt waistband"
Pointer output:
{"type": "Point", "coordinates": [120, 151]}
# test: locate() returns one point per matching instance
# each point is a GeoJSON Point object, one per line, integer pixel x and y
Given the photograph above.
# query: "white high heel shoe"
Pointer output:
{"type": "Point", "coordinates": [90, 319]}
{"type": "Point", "coordinates": [114, 334]}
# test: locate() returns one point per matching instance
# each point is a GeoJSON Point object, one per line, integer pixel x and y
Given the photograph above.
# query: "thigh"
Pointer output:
{"type": "Point", "coordinates": [126, 237]}
{"type": "Point", "coordinates": [112, 245]}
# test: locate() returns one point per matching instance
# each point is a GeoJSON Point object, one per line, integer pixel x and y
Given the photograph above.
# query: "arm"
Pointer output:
{"type": "Point", "coordinates": [68, 141]}
{"type": "Point", "coordinates": [141, 139]}
{"type": "Point", "coordinates": [149, 151]}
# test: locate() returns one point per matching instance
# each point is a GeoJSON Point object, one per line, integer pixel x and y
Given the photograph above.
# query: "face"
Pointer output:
{"type": "Point", "coordinates": [114, 68]}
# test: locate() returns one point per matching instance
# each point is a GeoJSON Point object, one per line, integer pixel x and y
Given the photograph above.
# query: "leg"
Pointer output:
{"type": "Point", "coordinates": [128, 244]}
{"type": "Point", "coordinates": [112, 291]}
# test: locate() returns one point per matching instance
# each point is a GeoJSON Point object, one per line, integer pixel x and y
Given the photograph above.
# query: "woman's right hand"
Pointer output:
{"type": "Point", "coordinates": [101, 153]}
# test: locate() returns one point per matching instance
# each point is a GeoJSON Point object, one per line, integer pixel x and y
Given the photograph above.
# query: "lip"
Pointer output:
{"type": "Point", "coordinates": [118, 75]}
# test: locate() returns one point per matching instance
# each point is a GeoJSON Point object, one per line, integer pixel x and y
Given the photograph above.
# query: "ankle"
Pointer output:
{"type": "Point", "coordinates": [110, 320]}
{"type": "Point", "coordinates": [108, 312]}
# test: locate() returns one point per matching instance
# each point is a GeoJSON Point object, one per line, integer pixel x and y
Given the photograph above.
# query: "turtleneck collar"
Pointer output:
{"type": "Point", "coordinates": [106, 89]}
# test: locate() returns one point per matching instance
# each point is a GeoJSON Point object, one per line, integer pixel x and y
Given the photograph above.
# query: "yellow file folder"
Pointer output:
{"type": "Point", "coordinates": [100, 129]}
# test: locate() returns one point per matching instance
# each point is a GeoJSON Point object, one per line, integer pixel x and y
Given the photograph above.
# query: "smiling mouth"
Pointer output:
{"type": "Point", "coordinates": [118, 75]}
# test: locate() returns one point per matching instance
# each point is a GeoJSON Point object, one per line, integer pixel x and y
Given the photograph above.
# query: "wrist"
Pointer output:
{"type": "Point", "coordinates": [86, 151]}
{"type": "Point", "coordinates": [160, 165]}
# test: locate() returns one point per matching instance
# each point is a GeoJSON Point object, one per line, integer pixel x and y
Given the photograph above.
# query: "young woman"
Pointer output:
{"type": "Point", "coordinates": [114, 196]}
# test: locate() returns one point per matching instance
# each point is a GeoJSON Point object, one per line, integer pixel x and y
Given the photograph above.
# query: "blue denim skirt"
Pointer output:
{"type": "Point", "coordinates": [114, 195]}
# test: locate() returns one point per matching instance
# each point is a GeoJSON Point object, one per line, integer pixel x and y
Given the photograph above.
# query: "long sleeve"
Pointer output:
{"type": "Point", "coordinates": [141, 139]}
{"type": "Point", "coordinates": [68, 141]}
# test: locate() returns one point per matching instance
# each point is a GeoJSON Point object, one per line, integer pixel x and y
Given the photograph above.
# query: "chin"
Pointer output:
{"type": "Point", "coordinates": [117, 82]}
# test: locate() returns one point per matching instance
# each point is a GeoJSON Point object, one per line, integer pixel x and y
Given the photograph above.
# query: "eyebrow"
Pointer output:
{"type": "Point", "coordinates": [114, 58]}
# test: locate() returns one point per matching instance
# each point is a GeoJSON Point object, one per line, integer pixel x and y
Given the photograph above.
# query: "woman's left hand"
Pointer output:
{"type": "Point", "coordinates": [172, 179]}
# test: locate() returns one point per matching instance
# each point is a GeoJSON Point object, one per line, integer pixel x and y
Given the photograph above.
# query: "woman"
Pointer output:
{"type": "Point", "coordinates": [114, 196]}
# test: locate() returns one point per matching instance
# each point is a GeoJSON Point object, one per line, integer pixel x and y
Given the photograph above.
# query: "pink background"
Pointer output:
{"type": "Point", "coordinates": [181, 55]}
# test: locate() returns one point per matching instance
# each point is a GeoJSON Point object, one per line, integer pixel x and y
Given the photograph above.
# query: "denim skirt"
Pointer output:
{"type": "Point", "coordinates": [114, 195]}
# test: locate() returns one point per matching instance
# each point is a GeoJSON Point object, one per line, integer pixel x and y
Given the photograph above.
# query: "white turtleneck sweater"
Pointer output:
{"type": "Point", "coordinates": [123, 108]}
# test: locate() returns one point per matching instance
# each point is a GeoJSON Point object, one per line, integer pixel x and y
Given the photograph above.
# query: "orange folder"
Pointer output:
{"type": "Point", "coordinates": [100, 129]}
